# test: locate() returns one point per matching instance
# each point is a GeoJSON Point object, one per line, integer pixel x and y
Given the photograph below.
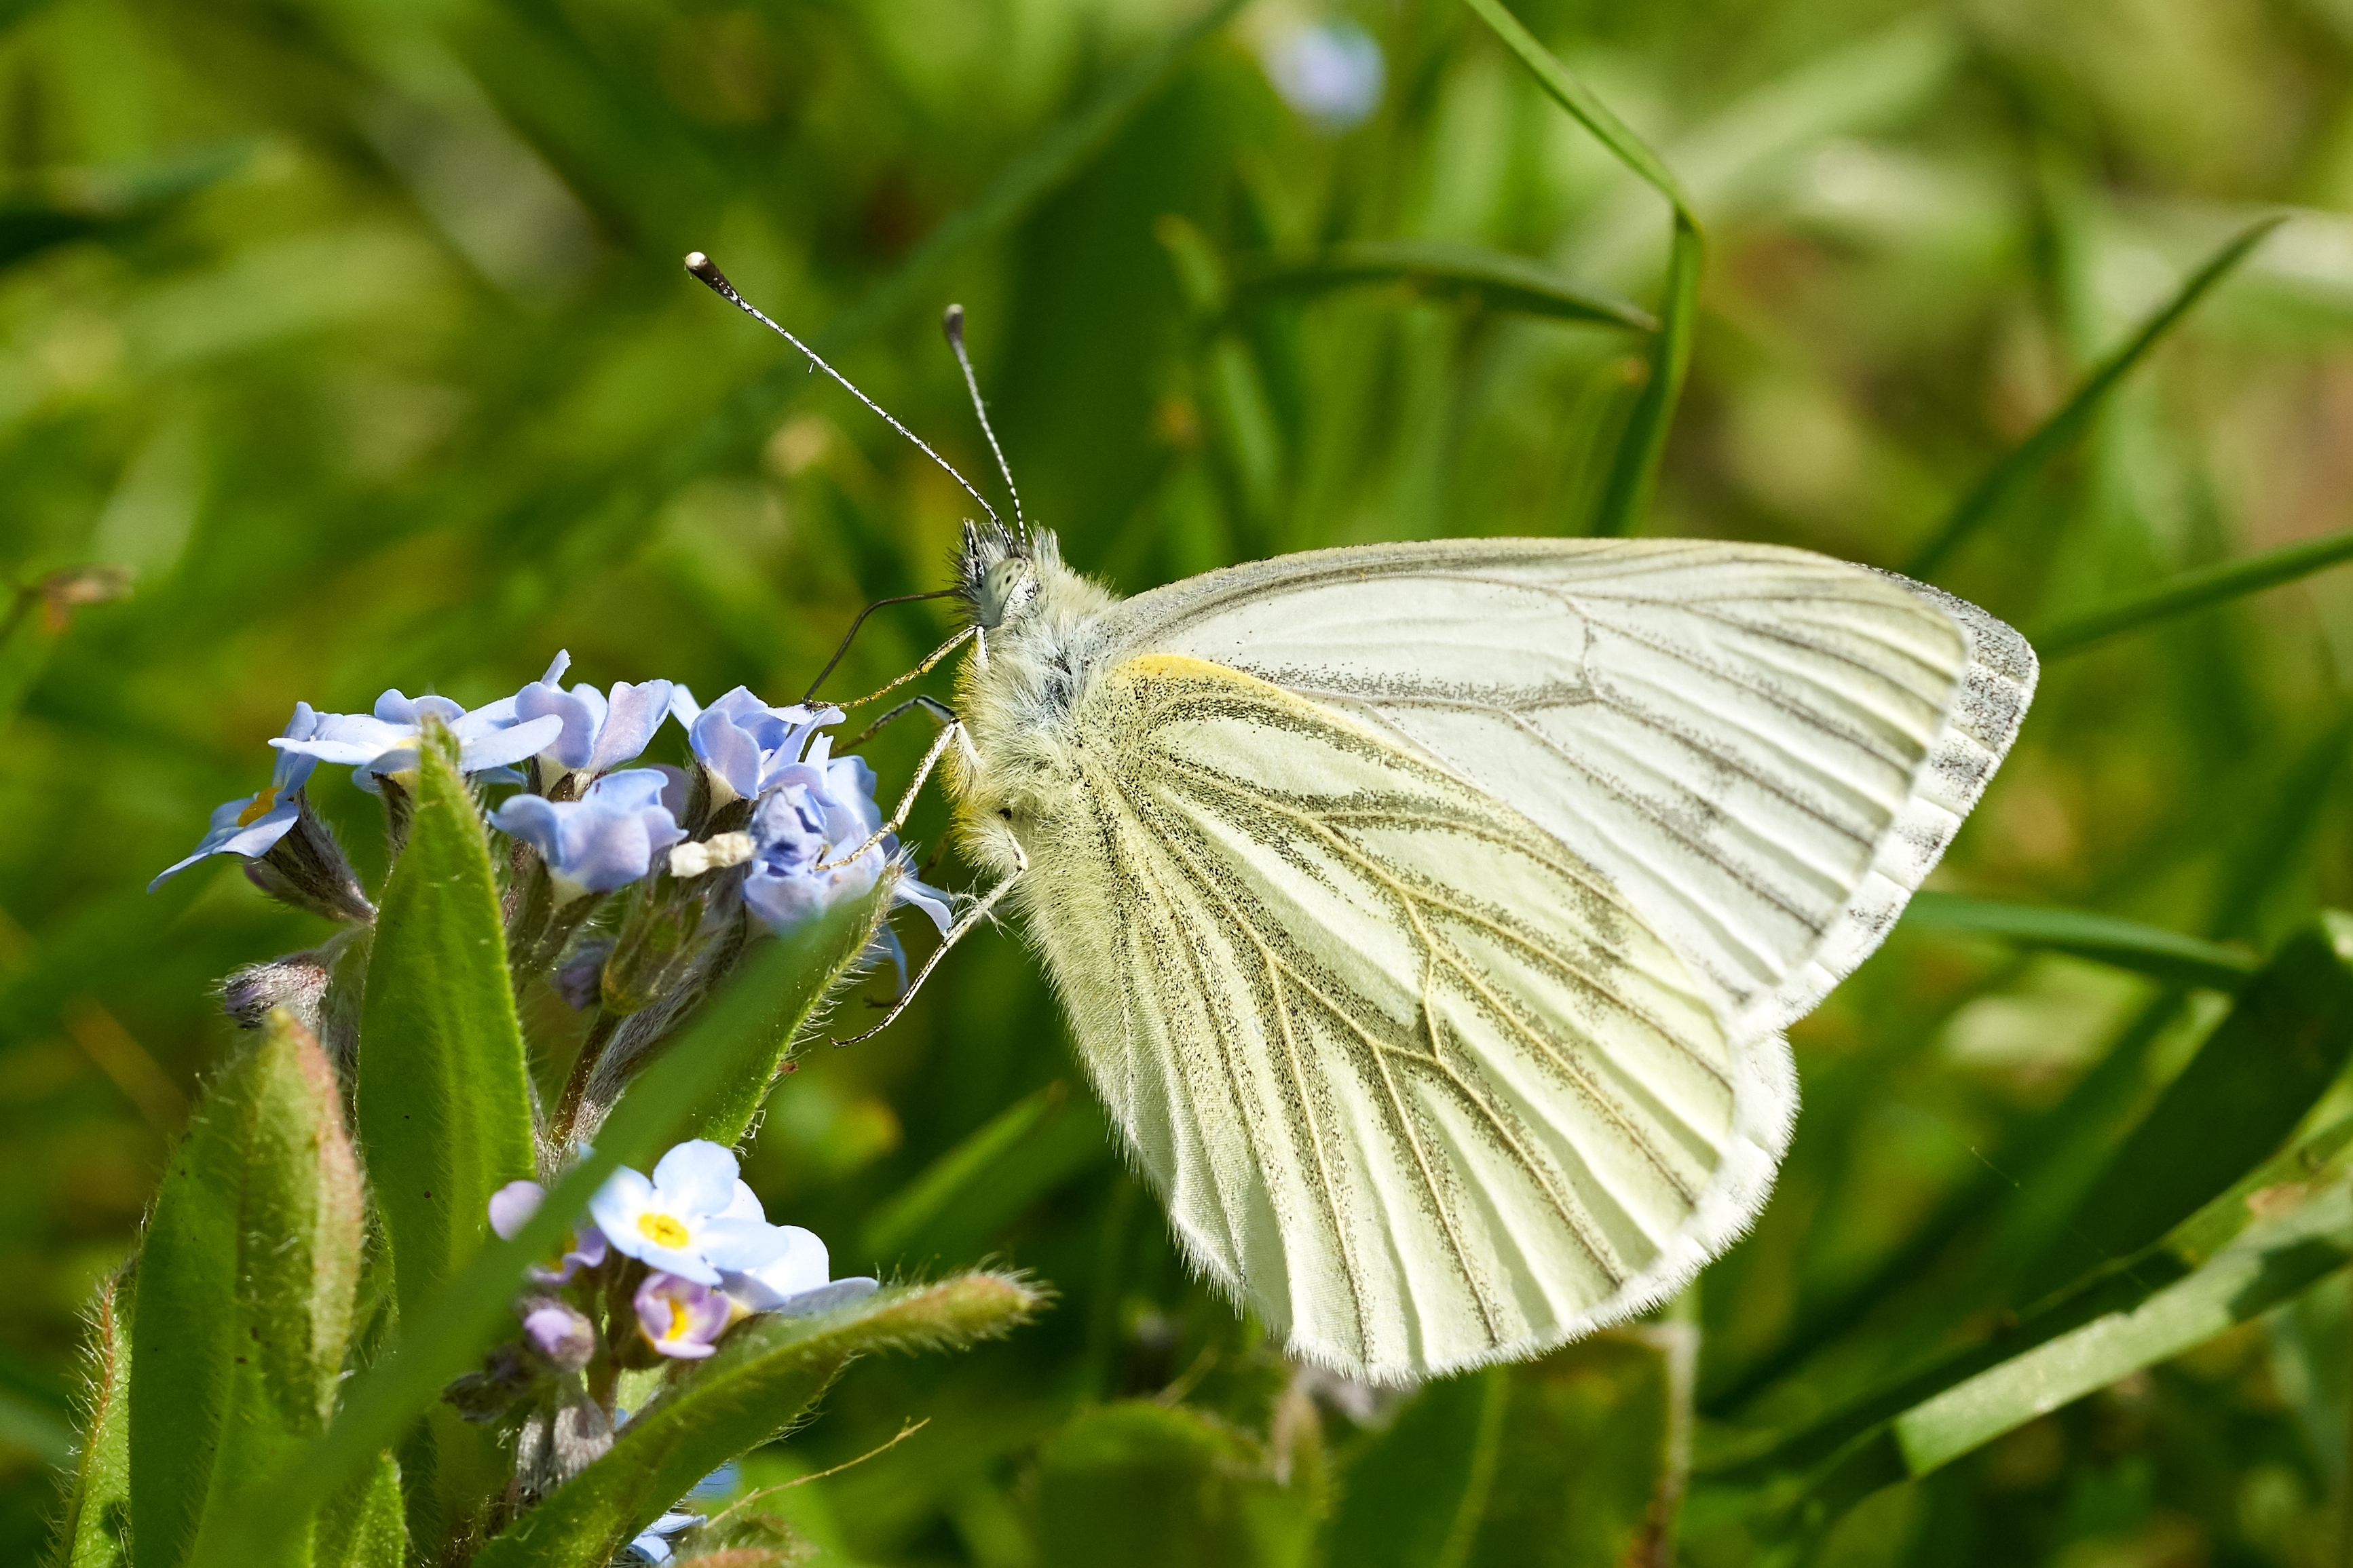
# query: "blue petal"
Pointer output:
{"type": "Point", "coordinates": [504, 748]}
{"type": "Point", "coordinates": [698, 1175]}
{"type": "Point", "coordinates": [633, 716]}
{"type": "Point", "coordinates": [577, 737]}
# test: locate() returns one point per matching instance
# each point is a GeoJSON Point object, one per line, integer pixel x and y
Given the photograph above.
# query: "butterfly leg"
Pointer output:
{"type": "Point", "coordinates": [946, 738]}
{"type": "Point", "coordinates": [931, 661]}
{"type": "Point", "coordinates": [973, 917]}
{"type": "Point", "coordinates": [932, 705]}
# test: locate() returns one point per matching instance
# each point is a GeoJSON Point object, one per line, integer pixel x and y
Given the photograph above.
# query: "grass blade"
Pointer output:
{"type": "Point", "coordinates": [1497, 280]}
{"type": "Point", "coordinates": [1626, 493]}
{"type": "Point", "coordinates": [448, 1335]}
{"type": "Point", "coordinates": [2194, 591]}
{"type": "Point", "coordinates": [2057, 432]}
{"type": "Point", "coordinates": [760, 1379]}
{"type": "Point", "coordinates": [2147, 950]}
{"type": "Point", "coordinates": [957, 1202]}
{"type": "Point", "coordinates": [2251, 1082]}
{"type": "Point", "coordinates": [2253, 1229]}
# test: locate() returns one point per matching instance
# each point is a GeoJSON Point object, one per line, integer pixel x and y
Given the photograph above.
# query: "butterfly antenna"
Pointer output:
{"type": "Point", "coordinates": [716, 280]}
{"type": "Point", "coordinates": [951, 327]}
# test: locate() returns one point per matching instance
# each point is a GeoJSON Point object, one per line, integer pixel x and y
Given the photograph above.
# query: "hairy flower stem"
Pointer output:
{"type": "Point", "coordinates": [583, 1068]}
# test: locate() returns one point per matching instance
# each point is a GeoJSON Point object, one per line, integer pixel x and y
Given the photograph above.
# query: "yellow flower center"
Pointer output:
{"type": "Point", "coordinates": [260, 807]}
{"type": "Point", "coordinates": [662, 1230]}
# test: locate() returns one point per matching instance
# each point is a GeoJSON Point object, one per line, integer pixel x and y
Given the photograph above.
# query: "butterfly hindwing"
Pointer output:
{"type": "Point", "coordinates": [1410, 1075]}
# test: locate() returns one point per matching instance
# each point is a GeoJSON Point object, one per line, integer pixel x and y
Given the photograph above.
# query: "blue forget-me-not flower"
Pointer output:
{"type": "Point", "coordinates": [600, 731]}
{"type": "Point", "coordinates": [743, 744]}
{"type": "Point", "coordinates": [605, 840]}
{"type": "Point", "coordinates": [1331, 74]}
{"type": "Point", "coordinates": [252, 826]}
{"type": "Point", "coordinates": [816, 811]}
{"type": "Point", "coordinates": [385, 741]}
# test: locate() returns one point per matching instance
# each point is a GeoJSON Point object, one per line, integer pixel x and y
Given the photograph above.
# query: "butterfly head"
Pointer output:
{"type": "Point", "coordinates": [1000, 571]}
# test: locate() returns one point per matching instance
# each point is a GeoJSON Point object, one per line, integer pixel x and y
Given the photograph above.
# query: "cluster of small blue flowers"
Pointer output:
{"type": "Point", "coordinates": [765, 825]}
{"type": "Point", "coordinates": [660, 1267]}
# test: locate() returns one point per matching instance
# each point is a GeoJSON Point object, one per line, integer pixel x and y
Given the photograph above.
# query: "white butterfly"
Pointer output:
{"type": "Point", "coordinates": [1428, 914]}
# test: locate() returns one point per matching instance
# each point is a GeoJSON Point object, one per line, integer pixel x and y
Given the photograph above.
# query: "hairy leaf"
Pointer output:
{"type": "Point", "coordinates": [451, 1336]}
{"type": "Point", "coordinates": [760, 1379]}
{"type": "Point", "coordinates": [443, 1099]}
{"type": "Point", "coordinates": [246, 1291]}
{"type": "Point", "coordinates": [819, 956]}
{"type": "Point", "coordinates": [93, 1532]}
{"type": "Point", "coordinates": [367, 1526]}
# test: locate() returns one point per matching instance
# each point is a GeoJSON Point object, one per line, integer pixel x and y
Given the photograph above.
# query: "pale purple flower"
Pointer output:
{"type": "Point", "coordinates": [607, 838]}
{"type": "Point", "coordinates": [585, 1248]}
{"type": "Point", "coordinates": [818, 811]}
{"type": "Point", "coordinates": [743, 743]}
{"type": "Point", "coordinates": [559, 1332]}
{"type": "Point", "coordinates": [600, 731]}
{"type": "Point", "coordinates": [680, 1316]}
{"type": "Point", "coordinates": [385, 741]}
{"type": "Point", "coordinates": [689, 1220]}
{"type": "Point", "coordinates": [1331, 74]}
{"type": "Point", "coordinates": [252, 826]}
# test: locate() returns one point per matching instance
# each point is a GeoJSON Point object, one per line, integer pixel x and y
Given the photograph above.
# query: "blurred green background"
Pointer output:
{"type": "Point", "coordinates": [355, 332]}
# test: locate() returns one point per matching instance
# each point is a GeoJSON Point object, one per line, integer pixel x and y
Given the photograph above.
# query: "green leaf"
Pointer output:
{"type": "Point", "coordinates": [443, 1099]}
{"type": "Point", "coordinates": [2055, 434]}
{"type": "Point", "coordinates": [246, 1291]}
{"type": "Point", "coordinates": [2193, 591]}
{"type": "Point", "coordinates": [818, 957]}
{"type": "Point", "coordinates": [367, 1527]}
{"type": "Point", "coordinates": [1417, 1494]}
{"type": "Point", "coordinates": [757, 1383]}
{"type": "Point", "coordinates": [1497, 280]}
{"type": "Point", "coordinates": [1140, 1485]}
{"type": "Point", "coordinates": [1594, 1451]}
{"type": "Point", "coordinates": [2265, 1265]}
{"type": "Point", "coordinates": [2269, 1263]}
{"type": "Point", "coordinates": [1626, 493]}
{"type": "Point", "coordinates": [94, 1530]}
{"type": "Point", "coordinates": [961, 1198]}
{"type": "Point", "coordinates": [2278, 1228]}
{"type": "Point", "coordinates": [2153, 951]}
{"type": "Point", "coordinates": [2251, 1082]}
{"type": "Point", "coordinates": [451, 1335]}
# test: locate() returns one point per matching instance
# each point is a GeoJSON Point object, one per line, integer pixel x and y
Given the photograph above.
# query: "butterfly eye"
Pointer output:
{"type": "Point", "coordinates": [1006, 812]}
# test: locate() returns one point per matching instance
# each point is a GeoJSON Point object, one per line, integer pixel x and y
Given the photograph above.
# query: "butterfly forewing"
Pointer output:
{"type": "Point", "coordinates": [1762, 750]}
{"type": "Point", "coordinates": [1408, 1073]}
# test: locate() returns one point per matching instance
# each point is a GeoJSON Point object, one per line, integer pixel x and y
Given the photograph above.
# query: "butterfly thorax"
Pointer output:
{"type": "Point", "coordinates": [1038, 634]}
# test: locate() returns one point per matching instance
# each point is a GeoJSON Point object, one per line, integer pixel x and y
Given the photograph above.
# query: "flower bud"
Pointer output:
{"type": "Point", "coordinates": [558, 1332]}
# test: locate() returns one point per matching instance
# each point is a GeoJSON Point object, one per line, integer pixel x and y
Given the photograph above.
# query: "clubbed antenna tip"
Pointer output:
{"type": "Point", "coordinates": [952, 328]}
{"type": "Point", "coordinates": [703, 268]}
